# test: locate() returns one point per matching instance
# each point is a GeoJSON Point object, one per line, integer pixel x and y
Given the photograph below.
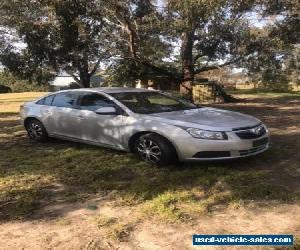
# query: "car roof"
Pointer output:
{"type": "Point", "coordinates": [108, 90]}
{"type": "Point", "coordinates": [120, 90]}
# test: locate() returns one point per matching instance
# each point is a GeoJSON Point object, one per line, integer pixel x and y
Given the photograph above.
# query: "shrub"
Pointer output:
{"type": "Point", "coordinates": [18, 85]}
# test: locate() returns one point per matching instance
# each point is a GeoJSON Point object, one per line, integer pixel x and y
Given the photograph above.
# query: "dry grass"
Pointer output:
{"type": "Point", "coordinates": [260, 93]}
{"type": "Point", "coordinates": [115, 228]}
{"type": "Point", "coordinates": [30, 172]}
{"type": "Point", "coordinates": [10, 103]}
{"type": "Point", "coordinates": [34, 176]}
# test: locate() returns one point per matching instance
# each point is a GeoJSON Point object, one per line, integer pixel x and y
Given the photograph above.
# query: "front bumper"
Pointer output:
{"type": "Point", "coordinates": [193, 149]}
{"type": "Point", "coordinates": [261, 150]}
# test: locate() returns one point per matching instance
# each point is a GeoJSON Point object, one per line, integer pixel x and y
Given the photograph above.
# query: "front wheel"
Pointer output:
{"type": "Point", "coordinates": [155, 149]}
{"type": "Point", "coordinates": [36, 131]}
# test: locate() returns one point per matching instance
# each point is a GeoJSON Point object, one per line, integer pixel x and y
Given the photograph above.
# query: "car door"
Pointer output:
{"type": "Point", "coordinates": [99, 128]}
{"type": "Point", "coordinates": [46, 112]}
{"type": "Point", "coordinates": [63, 120]}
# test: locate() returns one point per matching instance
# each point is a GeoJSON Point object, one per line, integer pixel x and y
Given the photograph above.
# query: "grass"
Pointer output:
{"type": "Point", "coordinates": [114, 227]}
{"type": "Point", "coordinates": [33, 175]}
{"type": "Point", "coordinates": [265, 93]}
{"type": "Point", "coordinates": [10, 103]}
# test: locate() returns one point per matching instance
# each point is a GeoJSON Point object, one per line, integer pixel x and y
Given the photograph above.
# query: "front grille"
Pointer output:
{"type": "Point", "coordinates": [212, 154]}
{"type": "Point", "coordinates": [252, 150]}
{"type": "Point", "coordinates": [252, 133]}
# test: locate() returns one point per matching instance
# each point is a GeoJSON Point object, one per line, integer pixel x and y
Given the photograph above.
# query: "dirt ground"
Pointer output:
{"type": "Point", "coordinates": [80, 224]}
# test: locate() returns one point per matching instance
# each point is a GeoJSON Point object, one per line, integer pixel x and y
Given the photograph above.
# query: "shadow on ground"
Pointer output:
{"type": "Point", "coordinates": [35, 175]}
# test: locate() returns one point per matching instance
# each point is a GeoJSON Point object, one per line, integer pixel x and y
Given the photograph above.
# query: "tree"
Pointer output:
{"type": "Point", "coordinates": [209, 31]}
{"type": "Point", "coordinates": [288, 29]}
{"type": "Point", "coordinates": [67, 35]}
{"type": "Point", "coordinates": [177, 40]}
{"type": "Point", "coordinates": [138, 36]}
{"type": "Point", "coordinates": [277, 63]}
{"type": "Point", "coordinates": [24, 65]}
{"type": "Point", "coordinates": [210, 34]}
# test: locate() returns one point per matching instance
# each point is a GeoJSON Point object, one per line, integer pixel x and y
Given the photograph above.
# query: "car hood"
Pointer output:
{"type": "Point", "coordinates": [207, 118]}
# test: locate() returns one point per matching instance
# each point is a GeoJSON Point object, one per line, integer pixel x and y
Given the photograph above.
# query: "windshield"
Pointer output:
{"type": "Point", "coordinates": [152, 102]}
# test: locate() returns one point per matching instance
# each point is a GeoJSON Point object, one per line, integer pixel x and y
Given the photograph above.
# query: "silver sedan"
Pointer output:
{"type": "Point", "coordinates": [158, 127]}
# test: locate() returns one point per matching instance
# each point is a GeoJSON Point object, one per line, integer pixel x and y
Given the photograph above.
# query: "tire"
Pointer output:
{"type": "Point", "coordinates": [155, 149]}
{"type": "Point", "coordinates": [36, 130]}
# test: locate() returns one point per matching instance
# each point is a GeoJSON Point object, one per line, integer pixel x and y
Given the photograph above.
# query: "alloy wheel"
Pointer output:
{"type": "Point", "coordinates": [35, 130]}
{"type": "Point", "coordinates": [149, 150]}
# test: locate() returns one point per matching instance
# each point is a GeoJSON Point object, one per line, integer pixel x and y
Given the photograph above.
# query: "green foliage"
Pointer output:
{"type": "Point", "coordinates": [23, 65]}
{"type": "Point", "coordinates": [137, 40]}
{"type": "Point", "coordinates": [61, 35]}
{"type": "Point", "coordinates": [276, 65]}
{"type": "Point", "coordinates": [216, 29]}
{"type": "Point", "coordinates": [288, 29]}
{"type": "Point", "coordinates": [19, 85]}
{"type": "Point", "coordinates": [198, 34]}
{"type": "Point", "coordinates": [140, 41]}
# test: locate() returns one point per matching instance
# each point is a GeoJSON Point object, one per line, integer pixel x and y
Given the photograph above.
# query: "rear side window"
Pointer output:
{"type": "Point", "coordinates": [46, 101]}
{"type": "Point", "coordinates": [66, 99]}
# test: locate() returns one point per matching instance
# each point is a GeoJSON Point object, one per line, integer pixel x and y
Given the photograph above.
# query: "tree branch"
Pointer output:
{"type": "Point", "coordinates": [207, 68]}
{"type": "Point", "coordinates": [160, 70]}
{"type": "Point", "coordinates": [196, 57]}
{"type": "Point", "coordinates": [164, 71]}
{"type": "Point", "coordinates": [128, 28]}
{"type": "Point", "coordinates": [74, 76]}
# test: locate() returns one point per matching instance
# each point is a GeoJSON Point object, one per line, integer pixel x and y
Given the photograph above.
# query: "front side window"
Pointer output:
{"type": "Point", "coordinates": [94, 101]}
{"type": "Point", "coordinates": [65, 99]}
{"type": "Point", "coordinates": [152, 102]}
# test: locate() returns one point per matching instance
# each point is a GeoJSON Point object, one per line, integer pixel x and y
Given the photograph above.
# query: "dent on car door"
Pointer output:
{"type": "Point", "coordinates": [64, 120]}
{"type": "Point", "coordinates": [99, 128]}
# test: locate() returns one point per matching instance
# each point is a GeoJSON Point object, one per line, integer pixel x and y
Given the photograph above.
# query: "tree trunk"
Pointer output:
{"type": "Point", "coordinates": [85, 79]}
{"type": "Point", "coordinates": [186, 86]}
{"type": "Point", "coordinates": [85, 76]}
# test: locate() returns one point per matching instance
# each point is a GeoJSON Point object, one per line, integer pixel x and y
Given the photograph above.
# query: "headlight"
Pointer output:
{"type": "Point", "coordinates": [266, 128]}
{"type": "Point", "coordinates": [208, 135]}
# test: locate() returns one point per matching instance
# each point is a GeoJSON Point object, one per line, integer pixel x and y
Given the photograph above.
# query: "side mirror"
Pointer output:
{"type": "Point", "coordinates": [106, 111]}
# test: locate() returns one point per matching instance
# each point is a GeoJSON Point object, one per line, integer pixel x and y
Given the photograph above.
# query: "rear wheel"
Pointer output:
{"type": "Point", "coordinates": [155, 149]}
{"type": "Point", "coordinates": [36, 131]}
